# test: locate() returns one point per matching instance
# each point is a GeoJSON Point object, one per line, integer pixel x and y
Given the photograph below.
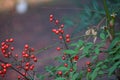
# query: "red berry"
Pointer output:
{"type": "Point", "coordinates": [6, 55]}
{"type": "Point", "coordinates": [3, 43]}
{"type": "Point", "coordinates": [4, 70]}
{"type": "Point", "coordinates": [57, 32]}
{"type": "Point", "coordinates": [62, 26]}
{"type": "Point", "coordinates": [66, 65]}
{"type": "Point", "coordinates": [9, 53]}
{"type": "Point", "coordinates": [56, 21]}
{"type": "Point", "coordinates": [32, 49]}
{"type": "Point", "coordinates": [62, 31]}
{"type": "Point", "coordinates": [32, 56]}
{"type": "Point", "coordinates": [59, 73]}
{"type": "Point", "coordinates": [7, 40]}
{"type": "Point", "coordinates": [19, 77]}
{"type": "Point", "coordinates": [0, 72]}
{"type": "Point", "coordinates": [51, 15]}
{"type": "Point", "coordinates": [63, 58]}
{"type": "Point", "coordinates": [58, 48]}
{"type": "Point", "coordinates": [32, 67]}
{"type": "Point", "coordinates": [71, 69]}
{"type": "Point", "coordinates": [16, 55]}
{"type": "Point", "coordinates": [11, 40]}
{"type": "Point", "coordinates": [24, 74]}
{"type": "Point", "coordinates": [26, 46]}
{"type": "Point", "coordinates": [89, 70]}
{"type": "Point", "coordinates": [51, 19]}
{"type": "Point", "coordinates": [35, 59]}
{"type": "Point", "coordinates": [54, 30]}
{"type": "Point", "coordinates": [67, 36]}
{"type": "Point", "coordinates": [26, 68]}
{"type": "Point", "coordinates": [76, 57]}
{"type": "Point", "coordinates": [60, 37]}
{"type": "Point", "coordinates": [68, 40]}
{"type": "Point", "coordinates": [26, 55]}
{"type": "Point", "coordinates": [12, 48]}
{"type": "Point", "coordinates": [27, 64]}
{"type": "Point", "coordinates": [3, 51]}
{"type": "Point", "coordinates": [88, 62]}
{"type": "Point", "coordinates": [59, 29]}
{"type": "Point", "coordinates": [8, 65]}
{"type": "Point", "coordinates": [4, 67]}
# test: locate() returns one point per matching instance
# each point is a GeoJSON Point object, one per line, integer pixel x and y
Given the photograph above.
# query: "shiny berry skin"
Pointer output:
{"type": "Point", "coordinates": [51, 19]}
{"type": "Point", "coordinates": [26, 46]}
{"type": "Point", "coordinates": [56, 21]}
{"type": "Point", "coordinates": [66, 65]}
{"type": "Point", "coordinates": [19, 77]}
{"type": "Point", "coordinates": [59, 73]}
{"type": "Point", "coordinates": [26, 68]}
{"type": "Point", "coordinates": [88, 70]}
{"type": "Point", "coordinates": [32, 49]}
{"type": "Point", "coordinates": [88, 62]}
{"type": "Point", "coordinates": [71, 69]}
{"type": "Point", "coordinates": [60, 37]}
{"type": "Point", "coordinates": [54, 30]}
{"type": "Point", "coordinates": [27, 64]}
{"type": "Point", "coordinates": [76, 58]}
{"type": "Point", "coordinates": [63, 58]}
{"type": "Point", "coordinates": [16, 55]}
{"type": "Point", "coordinates": [12, 48]}
{"type": "Point", "coordinates": [62, 31]}
{"type": "Point", "coordinates": [8, 65]}
{"type": "Point", "coordinates": [58, 48]}
{"type": "Point", "coordinates": [68, 40]}
{"type": "Point", "coordinates": [57, 32]}
{"type": "Point", "coordinates": [67, 36]}
{"type": "Point", "coordinates": [0, 72]}
{"type": "Point", "coordinates": [3, 43]}
{"type": "Point", "coordinates": [11, 40]}
{"type": "Point", "coordinates": [62, 26]}
{"type": "Point", "coordinates": [7, 40]}
{"type": "Point", "coordinates": [35, 59]}
{"type": "Point", "coordinates": [51, 15]}
{"type": "Point", "coordinates": [32, 67]}
{"type": "Point", "coordinates": [32, 56]}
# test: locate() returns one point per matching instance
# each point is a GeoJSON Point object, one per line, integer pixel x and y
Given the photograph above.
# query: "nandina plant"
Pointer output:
{"type": "Point", "coordinates": [22, 63]}
{"type": "Point", "coordinates": [95, 42]}
{"type": "Point", "coordinates": [98, 41]}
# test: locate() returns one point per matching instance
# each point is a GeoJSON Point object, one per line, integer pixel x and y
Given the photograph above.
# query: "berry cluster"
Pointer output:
{"type": "Point", "coordinates": [88, 66]}
{"type": "Point", "coordinates": [22, 64]}
{"type": "Point", "coordinates": [65, 38]}
{"type": "Point", "coordinates": [3, 68]}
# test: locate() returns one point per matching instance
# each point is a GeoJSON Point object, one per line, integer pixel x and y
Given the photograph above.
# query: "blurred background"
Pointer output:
{"type": "Point", "coordinates": [27, 21]}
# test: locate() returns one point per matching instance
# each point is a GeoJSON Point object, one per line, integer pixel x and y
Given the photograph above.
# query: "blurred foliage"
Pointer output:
{"type": "Point", "coordinates": [90, 14]}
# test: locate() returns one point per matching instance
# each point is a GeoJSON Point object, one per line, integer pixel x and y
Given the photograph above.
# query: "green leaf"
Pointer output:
{"type": "Point", "coordinates": [113, 68]}
{"type": "Point", "coordinates": [114, 42]}
{"type": "Point", "coordinates": [40, 77]}
{"type": "Point", "coordinates": [100, 63]}
{"type": "Point", "coordinates": [94, 57]}
{"type": "Point", "coordinates": [95, 73]}
{"type": "Point", "coordinates": [97, 50]}
{"type": "Point", "coordinates": [74, 77]}
{"type": "Point", "coordinates": [117, 57]}
{"type": "Point", "coordinates": [80, 42]}
{"type": "Point", "coordinates": [88, 76]}
{"type": "Point", "coordinates": [60, 78]}
{"type": "Point", "coordinates": [69, 51]}
{"type": "Point", "coordinates": [102, 36]}
{"type": "Point", "coordinates": [104, 67]}
{"type": "Point", "coordinates": [62, 68]}
{"type": "Point", "coordinates": [100, 72]}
